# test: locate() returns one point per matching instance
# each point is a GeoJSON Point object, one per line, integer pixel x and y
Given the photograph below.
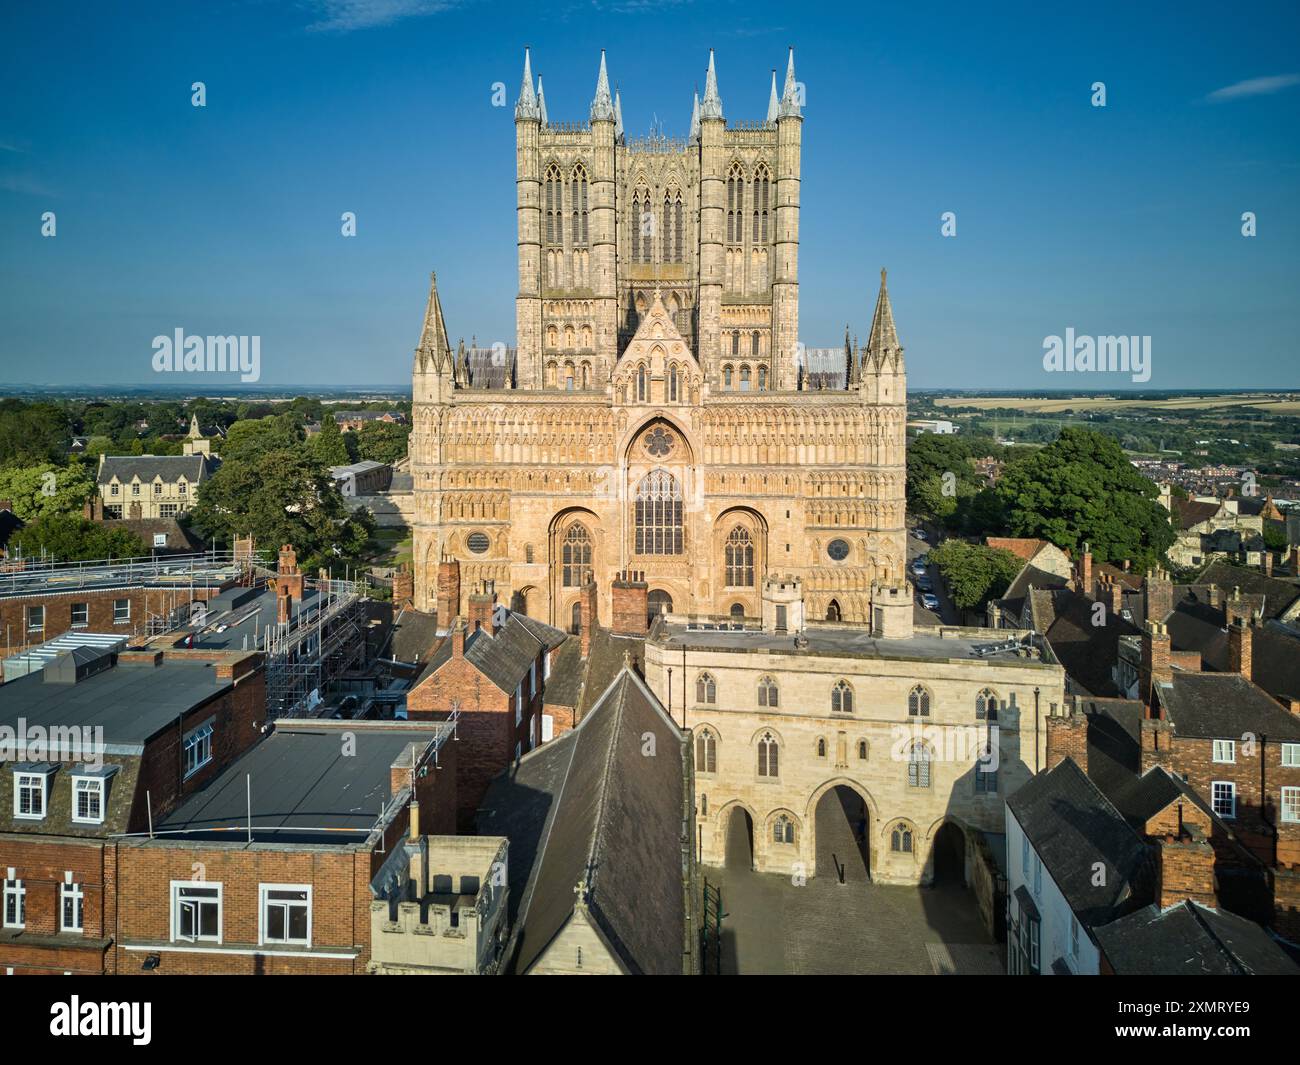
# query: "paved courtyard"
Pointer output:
{"type": "Point", "coordinates": [828, 928]}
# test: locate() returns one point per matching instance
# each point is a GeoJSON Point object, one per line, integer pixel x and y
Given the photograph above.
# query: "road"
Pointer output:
{"type": "Point", "coordinates": [947, 613]}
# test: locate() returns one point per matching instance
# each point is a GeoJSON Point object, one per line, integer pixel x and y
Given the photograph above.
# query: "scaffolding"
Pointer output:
{"type": "Point", "coordinates": [306, 654]}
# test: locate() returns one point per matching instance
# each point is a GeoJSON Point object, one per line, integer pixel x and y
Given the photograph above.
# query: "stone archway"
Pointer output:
{"type": "Point", "coordinates": [842, 830]}
{"type": "Point", "coordinates": [657, 602]}
{"type": "Point", "coordinates": [948, 855]}
{"type": "Point", "coordinates": [738, 841]}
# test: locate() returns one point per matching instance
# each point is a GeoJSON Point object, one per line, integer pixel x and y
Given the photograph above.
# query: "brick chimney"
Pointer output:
{"type": "Point", "coordinates": [1186, 870]}
{"type": "Point", "coordinates": [1085, 571]}
{"type": "Point", "coordinates": [629, 593]}
{"type": "Point", "coordinates": [1236, 608]}
{"type": "Point", "coordinates": [288, 577]}
{"type": "Point", "coordinates": [1155, 667]}
{"type": "Point", "coordinates": [587, 611]}
{"type": "Point", "coordinates": [447, 603]}
{"type": "Point", "coordinates": [1067, 737]}
{"type": "Point", "coordinates": [1156, 741]}
{"type": "Point", "coordinates": [283, 605]}
{"type": "Point", "coordinates": [481, 606]}
{"type": "Point", "coordinates": [1240, 639]}
{"type": "Point", "coordinates": [1266, 563]}
{"type": "Point", "coordinates": [1157, 595]}
{"type": "Point", "coordinates": [457, 638]}
{"type": "Point", "coordinates": [403, 588]}
{"type": "Point", "coordinates": [1213, 596]}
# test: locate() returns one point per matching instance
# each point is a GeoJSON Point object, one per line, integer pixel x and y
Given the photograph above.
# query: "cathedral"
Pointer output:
{"type": "Point", "coordinates": [659, 415]}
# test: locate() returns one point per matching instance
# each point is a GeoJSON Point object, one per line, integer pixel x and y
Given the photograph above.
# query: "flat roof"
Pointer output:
{"type": "Point", "coordinates": [300, 778]}
{"type": "Point", "coordinates": [239, 628]}
{"type": "Point", "coordinates": [838, 640]}
{"type": "Point", "coordinates": [129, 702]}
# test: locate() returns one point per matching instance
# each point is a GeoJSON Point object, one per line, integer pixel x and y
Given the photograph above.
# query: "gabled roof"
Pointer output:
{"type": "Point", "coordinates": [1190, 512]}
{"type": "Point", "coordinates": [506, 657]}
{"type": "Point", "coordinates": [1224, 706]}
{"type": "Point", "coordinates": [591, 809]}
{"type": "Point", "coordinates": [414, 634]}
{"type": "Point", "coordinates": [1189, 939]}
{"type": "Point", "coordinates": [194, 468]}
{"type": "Point", "coordinates": [1072, 827]}
{"type": "Point", "coordinates": [1276, 596]}
{"type": "Point", "coordinates": [1087, 651]}
{"type": "Point", "coordinates": [1022, 547]}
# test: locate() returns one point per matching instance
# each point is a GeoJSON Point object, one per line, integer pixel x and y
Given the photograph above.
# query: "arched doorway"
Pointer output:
{"type": "Point", "coordinates": [575, 619]}
{"type": "Point", "coordinates": [519, 602]}
{"type": "Point", "coordinates": [739, 850]}
{"type": "Point", "coordinates": [656, 603]}
{"type": "Point", "coordinates": [737, 611]}
{"type": "Point", "coordinates": [833, 610]}
{"type": "Point", "coordinates": [843, 827]}
{"type": "Point", "coordinates": [949, 853]}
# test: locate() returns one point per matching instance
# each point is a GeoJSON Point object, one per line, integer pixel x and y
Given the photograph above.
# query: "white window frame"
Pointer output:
{"type": "Point", "coordinates": [176, 906]}
{"type": "Point", "coordinates": [198, 739]}
{"type": "Point", "coordinates": [548, 728]}
{"type": "Point", "coordinates": [1214, 798]}
{"type": "Point", "coordinates": [118, 618]}
{"type": "Point", "coordinates": [22, 775]}
{"type": "Point", "coordinates": [77, 894]}
{"type": "Point", "coordinates": [34, 611]}
{"type": "Point", "coordinates": [1290, 802]}
{"type": "Point", "coordinates": [264, 900]}
{"type": "Point", "coordinates": [14, 888]}
{"type": "Point", "coordinates": [1225, 752]}
{"type": "Point", "coordinates": [1291, 755]}
{"type": "Point", "coordinates": [84, 610]}
{"type": "Point", "coordinates": [98, 790]}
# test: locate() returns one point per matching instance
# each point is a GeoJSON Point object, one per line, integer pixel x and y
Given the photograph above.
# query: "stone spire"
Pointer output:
{"type": "Point", "coordinates": [695, 120]}
{"type": "Point", "coordinates": [773, 104]}
{"type": "Point", "coordinates": [883, 340]}
{"type": "Point", "coordinates": [850, 361]}
{"type": "Point", "coordinates": [790, 97]}
{"type": "Point", "coordinates": [711, 105]}
{"type": "Point", "coordinates": [618, 117]}
{"type": "Point", "coordinates": [602, 107]}
{"type": "Point", "coordinates": [433, 337]}
{"type": "Point", "coordinates": [541, 101]}
{"type": "Point", "coordinates": [527, 105]}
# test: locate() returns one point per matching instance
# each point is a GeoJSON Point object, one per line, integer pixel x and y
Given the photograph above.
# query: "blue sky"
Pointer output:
{"type": "Point", "coordinates": [225, 219]}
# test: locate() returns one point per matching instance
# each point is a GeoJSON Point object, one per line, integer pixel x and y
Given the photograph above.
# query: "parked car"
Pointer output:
{"type": "Point", "coordinates": [925, 584]}
{"type": "Point", "coordinates": [919, 567]}
{"type": "Point", "coordinates": [930, 601]}
{"type": "Point", "coordinates": [920, 534]}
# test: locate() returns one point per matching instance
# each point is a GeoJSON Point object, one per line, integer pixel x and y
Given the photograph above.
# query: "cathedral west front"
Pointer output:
{"type": "Point", "coordinates": [659, 414]}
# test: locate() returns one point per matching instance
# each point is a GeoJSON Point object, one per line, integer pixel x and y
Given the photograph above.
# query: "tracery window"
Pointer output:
{"type": "Point", "coordinates": [672, 236]}
{"type": "Point", "coordinates": [706, 688]}
{"type": "Point", "coordinates": [986, 705]}
{"type": "Point", "coordinates": [782, 829]}
{"type": "Point", "coordinates": [578, 204]}
{"type": "Point", "coordinates": [735, 204]}
{"type": "Point", "coordinates": [768, 755]}
{"type": "Point", "coordinates": [900, 839]}
{"type": "Point", "coordinates": [706, 752]}
{"type": "Point", "coordinates": [762, 184]}
{"type": "Point", "coordinates": [739, 552]}
{"type": "Point", "coordinates": [768, 695]}
{"type": "Point", "coordinates": [575, 555]}
{"type": "Point", "coordinates": [918, 702]}
{"type": "Point", "coordinates": [554, 225]}
{"type": "Point", "coordinates": [842, 698]}
{"type": "Point", "coordinates": [658, 514]}
{"type": "Point", "coordinates": [918, 765]}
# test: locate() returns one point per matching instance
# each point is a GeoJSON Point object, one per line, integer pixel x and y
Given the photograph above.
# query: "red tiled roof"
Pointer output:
{"type": "Point", "coordinates": [1022, 548]}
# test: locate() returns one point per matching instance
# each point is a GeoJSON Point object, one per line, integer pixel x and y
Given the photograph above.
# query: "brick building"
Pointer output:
{"type": "Point", "coordinates": [269, 869]}
{"type": "Point", "coordinates": [105, 743]}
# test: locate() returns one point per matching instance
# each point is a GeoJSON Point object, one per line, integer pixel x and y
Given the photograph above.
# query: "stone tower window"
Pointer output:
{"type": "Point", "coordinates": [986, 705]}
{"type": "Point", "coordinates": [782, 830]}
{"type": "Point", "coordinates": [575, 555]}
{"type": "Point", "coordinates": [735, 204]}
{"type": "Point", "coordinates": [658, 514]}
{"type": "Point", "coordinates": [706, 752]}
{"type": "Point", "coordinates": [706, 688]}
{"type": "Point", "coordinates": [578, 206]}
{"type": "Point", "coordinates": [768, 756]}
{"type": "Point", "coordinates": [727, 374]}
{"type": "Point", "coordinates": [842, 698]}
{"type": "Point", "coordinates": [739, 552]}
{"type": "Point", "coordinates": [918, 702]}
{"type": "Point", "coordinates": [918, 766]}
{"type": "Point", "coordinates": [762, 378]}
{"type": "Point", "coordinates": [768, 694]}
{"type": "Point", "coordinates": [744, 378]}
{"type": "Point", "coordinates": [762, 184]}
{"type": "Point", "coordinates": [554, 227]}
{"type": "Point", "coordinates": [900, 839]}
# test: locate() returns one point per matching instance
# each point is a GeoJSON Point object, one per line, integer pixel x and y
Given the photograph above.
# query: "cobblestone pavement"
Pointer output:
{"type": "Point", "coordinates": [825, 928]}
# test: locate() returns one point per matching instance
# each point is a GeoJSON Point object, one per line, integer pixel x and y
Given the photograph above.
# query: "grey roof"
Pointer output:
{"type": "Point", "coordinates": [1072, 827]}
{"type": "Point", "coordinates": [1088, 652]}
{"type": "Point", "coordinates": [130, 702]}
{"type": "Point", "coordinates": [506, 657]}
{"type": "Point", "coordinates": [300, 778]}
{"type": "Point", "coordinates": [1189, 939]}
{"type": "Point", "coordinates": [414, 634]}
{"type": "Point", "coordinates": [548, 635]}
{"type": "Point", "coordinates": [568, 669]}
{"type": "Point", "coordinates": [1224, 706]}
{"type": "Point", "coordinates": [1277, 595]}
{"type": "Point", "coordinates": [125, 468]}
{"type": "Point", "coordinates": [592, 807]}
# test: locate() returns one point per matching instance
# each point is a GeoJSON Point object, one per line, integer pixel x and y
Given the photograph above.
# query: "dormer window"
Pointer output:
{"type": "Point", "coordinates": [31, 790]}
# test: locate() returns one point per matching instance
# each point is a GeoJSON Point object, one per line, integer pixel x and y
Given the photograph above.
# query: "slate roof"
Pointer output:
{"type": "Point", "coordinates": [194, 468]}
{"type": "Point", "coordinates": [1087, 652]}
{"type": "Point", "coordinates": [1189, 939]}
{"type": "Point", "coordinates": [414, 634]}
{"type": "Point", "coordinates": [180, 539]}
{"type": "Point", "coordinates": [506, 657]}
{"type": "Point", "coordinates": [1275, 656]}
{"type": "Point", "coordinates": [1223, 706]}
{"type": "Point", "coordinates": [1190, 512]}
{"type": "Point", "coordinates": [123, 770]}
{"type": "Point", "coordinates": [548, 635]}
{"type": "Point", "coordinates": [568, 670]}
{"type": "Point", "coordinates": [1277, 596]}
{"type": "Point", "coordinates": [1072, 826]}
{"type": "Point", "coordinates": [590, 806]}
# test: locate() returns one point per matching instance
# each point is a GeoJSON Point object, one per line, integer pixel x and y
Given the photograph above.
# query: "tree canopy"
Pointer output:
{"type": "Point", "coordinates": [44, 489]}
{"type": "Point", "coordinates": [73, 538]}
{"type": "Point", "coordinates": [973, 573]}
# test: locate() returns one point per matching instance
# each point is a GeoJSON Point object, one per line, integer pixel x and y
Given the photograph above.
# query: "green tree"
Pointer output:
{"type": "Point", "coordinates": [973, 573]}
{"type": "Point", "coordinates": [72, 538]}
{"type": "Point", "coordinates": [282, 497]}
{"type": "Point", "coordinates": [32, 433]}
{"type": "Point", "coordinates": [330, 445]}
{"type": "Point", "coordinates": [38, 491]}
{"type": "Point", "coordinates": [382, 441]}
{"type": "Point", "coordinates": [257, 436]}
{"type": "Point", "coordinates": [1082, 489]}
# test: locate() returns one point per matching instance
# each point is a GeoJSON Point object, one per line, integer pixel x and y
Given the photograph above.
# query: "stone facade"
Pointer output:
{"type": "Point", "coordinates": [860, 740]}
{"type": "Point", "coordinates": [659, 414]}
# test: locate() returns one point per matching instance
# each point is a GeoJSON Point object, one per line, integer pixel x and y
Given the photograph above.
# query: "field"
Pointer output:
{"type": "Point", "coordinates": [1280, 403]}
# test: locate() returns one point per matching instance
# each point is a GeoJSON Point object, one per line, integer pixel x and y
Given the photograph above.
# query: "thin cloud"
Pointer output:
{"type": "Point", "coordinates": [1254, 87]}
{"type": "Point", "coordinates": [344, 16]}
